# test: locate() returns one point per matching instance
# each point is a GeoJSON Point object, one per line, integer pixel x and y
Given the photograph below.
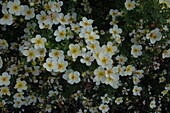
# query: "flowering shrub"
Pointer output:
{"type": "Point", "coordinates": [85, 56]}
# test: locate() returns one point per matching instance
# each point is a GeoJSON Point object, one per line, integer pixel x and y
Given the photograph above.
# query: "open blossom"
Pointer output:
{"type": "Point", "coordinates": [56, 6]}
{"type": "Point", "coordinates": [154, 35]}
{"type": "Point", "coordinates": [110, 49]}
{"type": "Point", "coordinates": [3, 44]}
{"type": "Point", "coordinates": [91, 37]}
{"type": "Point", "coordinates": [166, 54]}
{"type": "Point", "coordinates": [137, 90]}
{"type": "Point", "coordinates": [15, 7]}
{"type": "Point", "coordinates": [7, 18]}
{"type": "Point", "coordinates": [129, 70]}
{"type": "Point", "coordinates": [136, 50]}
{"type": "Point", "coordinates": [119, 100]}
{"type": "Point", "coordinates": [20, 85]}
{"type": "Point", "coordinates": [104, 108]}
{"type": "Point", "coordinates": [87, 58]}
{"type": "Point", "coordinates": [115, 31]}
{"type": "Point", "coordinates": [4, 91]}
{"type": "Point", "coordinates": [130, 5]}
{"type": "Point", "coordinates": [39, 41]}
{"type": "Point", "coordinates": [121, 59]}
{"type": "Point", "coordinates": [49, 65]}
{"type": "Point", "coordinates": [99, 75]}
{"type": "Point", "coordinates": [73, 77]}
{"type": "Point", "coordinates": [63, 19]}
{"type": "Point", "coordinates": [19, 96]}
{"type": "Point", "coordinates": [60, 33]}
{"type": "Point", "coordinates": [74, 50]}
{"type": "Point", "coordinates": [104, 60]}
{"type": "Point", "coordinates": [28, 12]}
{"type": "Point", "coordinates": [85, 22]}
{"type": "Point", "coordinates": [31, 54]}
{"type": "Point", "coordinates": [60, 65]}
{"type": "Point", "coordinates": [152, 104]}
{"type": "Point", "coordinates": [56, 54]}
{"type": "Point", "coordinates": [5, 79]}
{"type": "Point", "coordinates": [42, 18]}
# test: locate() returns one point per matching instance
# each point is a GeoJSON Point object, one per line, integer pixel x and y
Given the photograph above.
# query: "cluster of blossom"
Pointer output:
{"type": "Point", "coordinates": [54, 43]}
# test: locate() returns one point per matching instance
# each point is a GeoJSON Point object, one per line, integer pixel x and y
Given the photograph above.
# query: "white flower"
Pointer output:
{"type": "Point", "coordinates": [15, 7]}
{"type": "Point", "coordinates": [166, 54]}
{"type": "Point", "coordinates": [152, 104]}
{"type": "Point", "coordinates": [4, 91]}
{"type": "Point", "coordinates": [85, 31]}
{"type": "Point", "coordinates": [54, 17]}
{"type": "Point", "coordinates": [13, 70]}
{"type": "Point", "coordinates": [65, 76]}
{"type": "Point", "coordinates": [104, 60]}
{"type": "Point", "coordinates": [3, 44]}
{"type": "Point", "coordinates": [7, 18]}
{"type": "Point", "coordinates": [49, 65]}
{"type": "Point", "coordinates": [113, 81]}
{"type": "Point", "coordinates": [52, 93]}
{"type": "Point", "coordinates": [136, 50]}
{"type": "Point", "coordinates": [115, 31]}
{"type": "Point", "coordinates": [121, 70]}
{"type": "Point", "coordinates": [137, 90]}
{"type": "Point", "coordinates": [48, 6]}
{"type": "Point", "coordinates": [99, 75]}
{"type": "Point", "coordinates": [19, 96]}
{"type": "Point", "coordinates": [91, 37]}
{"type": "Point", "coordinates": [20, 85]}
{"type": "Point", "coordinates": [28, 13]}
{"type": "Point", "coordinates": [129, 70]}
{"type": "Point", "coordinates": [57, 6]}
{"type": "Point", "coordinates": [92, 46]}
{"type": "Point", "coordinates": [41, 52]}
{"type": "Point", "coordinates": [5, 79]}
{"type": "Point", "coordinates": [31, 54]}
{"type": "Point", "coordinates": [104, 108]}
{"type": "Point", "coordinates": [119, 100]}
{"type": "Point", "coordinates": [56, 54]}
{"type": "Point", "coordinates": [48, 108]}
{"type": "Point", "coordinates": [113, 13]}
{"type": "Point", "coordinates": [42, 17]}
{"type": "Point", "coordinates": [130, 5]}
{"type": "Point", "coordinates": [105, 99]}
{"type": "Point", "coordinates": [39, 42]}
{"type": "Point", "coordinates": [18, 103]}
{"type": "Point", "coordinates": [161, 79]}
{"type": "Point", "coordinates": [63, 19]}
{"type": "Point", "coordinates": [85, 22]}
{"type": "Point", "coordinates": [74, 50]}
{"type": "Point", "coordinates": [1, 62]}
{"type": "Point", "coordinates": [156, 65]}
{"type": "Point", "coordinates": [36, 70]}
{"type": "Point", "coordinates": [136, 80]}
{"type": "Point", "coordinates": [139, 73]}
{"type": "Point", "coordinates": [75, 27]}
{"type": "Point", "coordinates": [74, 77]}
{"type": "Point", "coordinates": [60, 34]}
{"type": "Point", "coordinates": [154, 35]}
{"type": "Point", "coordinates": [110, 49]}
{"type": "Point", "coordinates": [87, 58]}
{"type": "Point", "coordinates": [60, 65]}
{"type": "Point", "coordinates": [121, 59]}
{"type": "Point", "coordinates": [111, 71]}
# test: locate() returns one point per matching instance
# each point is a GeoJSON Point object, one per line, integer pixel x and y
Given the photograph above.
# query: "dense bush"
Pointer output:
{"type": "Point", "coordinates": [85, 56]}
